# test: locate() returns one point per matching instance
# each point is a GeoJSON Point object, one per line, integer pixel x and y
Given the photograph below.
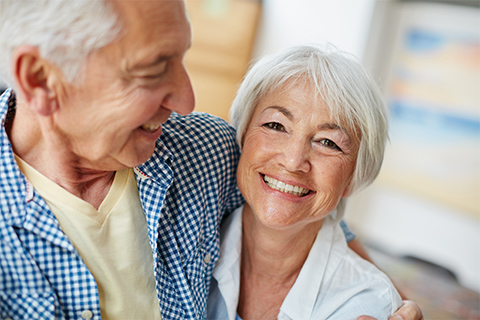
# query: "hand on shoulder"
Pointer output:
{"type": "Point", "coordinates": [408, 311]}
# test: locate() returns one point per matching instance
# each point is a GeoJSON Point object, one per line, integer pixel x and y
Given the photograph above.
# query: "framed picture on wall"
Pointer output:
{"type": "Point", "coordinates": [431, 80]}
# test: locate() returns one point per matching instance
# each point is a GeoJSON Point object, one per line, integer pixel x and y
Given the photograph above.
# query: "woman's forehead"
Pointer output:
{"type": "Point", "coordinates": [303, 90]}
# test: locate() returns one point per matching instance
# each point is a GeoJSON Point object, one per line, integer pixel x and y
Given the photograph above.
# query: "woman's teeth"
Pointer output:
{"type": "Point", "coordinates": [151, 127]}
{"type": "Point", "coordinates": [283, 187]}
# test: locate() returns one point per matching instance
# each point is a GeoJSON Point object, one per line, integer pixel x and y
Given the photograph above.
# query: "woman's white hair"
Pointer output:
{"type": "Point", "coordinates": [339, 79]}
{"type": "Point", "coordinates": [65, 32]}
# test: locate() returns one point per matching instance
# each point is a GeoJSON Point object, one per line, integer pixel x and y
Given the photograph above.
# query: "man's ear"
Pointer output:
{"type": "Point", "coordinates": [32, 73]}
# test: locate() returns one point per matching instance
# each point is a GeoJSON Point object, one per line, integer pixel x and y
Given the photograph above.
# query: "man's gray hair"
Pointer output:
{"type": "Point", "coordinates": [340, 80]}
{"type": "Point", "coordinates": [64, 31]}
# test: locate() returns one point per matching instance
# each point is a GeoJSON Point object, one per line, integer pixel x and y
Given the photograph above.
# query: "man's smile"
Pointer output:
{"type": "Point", "coordinates": [151, 127]}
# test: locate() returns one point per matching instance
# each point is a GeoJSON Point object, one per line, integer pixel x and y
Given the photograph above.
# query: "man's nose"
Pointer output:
{"type": "Point", "coordinates": [181, 98]}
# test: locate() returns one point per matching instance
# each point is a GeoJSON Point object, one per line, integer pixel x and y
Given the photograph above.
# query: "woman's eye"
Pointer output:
{"type": "Point", "coordinates": [330, 144]}
{"type": "Point", "coordinates": [275, 126]}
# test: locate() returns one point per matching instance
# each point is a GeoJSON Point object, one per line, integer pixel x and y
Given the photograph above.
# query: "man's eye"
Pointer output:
{"type": "Point", "coordinates": [152, 76]}
{"type": "Point", "coordinates": [330, 144]}
{"type": "Point", "coordinates": [153, 73]}
{"type": "Point", "coordinates": [275, 126]}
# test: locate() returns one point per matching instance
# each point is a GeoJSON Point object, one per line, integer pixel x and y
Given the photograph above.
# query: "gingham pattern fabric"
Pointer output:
{"type": "Point", "coordinates": [185, 188]}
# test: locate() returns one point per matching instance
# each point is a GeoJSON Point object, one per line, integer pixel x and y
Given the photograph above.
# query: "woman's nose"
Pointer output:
{"type": "Point", "coordinates": [181, 98]}
{"type": "Point", "coordinates": [295, 156]}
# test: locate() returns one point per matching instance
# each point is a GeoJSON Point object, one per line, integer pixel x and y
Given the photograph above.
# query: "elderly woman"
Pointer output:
{"type": "Point", "coordinates": [312, 127]}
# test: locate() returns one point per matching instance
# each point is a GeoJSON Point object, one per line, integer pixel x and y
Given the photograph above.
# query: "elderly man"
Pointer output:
{"type": "Point", "coordinates": [110, 200]}
{"type": "Point", "coordinates": [82, 233]}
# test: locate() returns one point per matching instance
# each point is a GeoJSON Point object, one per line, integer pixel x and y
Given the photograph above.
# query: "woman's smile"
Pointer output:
{"type": "Point", "coordinates": [285, 187]}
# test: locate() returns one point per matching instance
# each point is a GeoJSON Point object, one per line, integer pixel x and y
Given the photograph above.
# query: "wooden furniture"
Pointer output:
{"type": "Point", "coordinates": [223, 37]}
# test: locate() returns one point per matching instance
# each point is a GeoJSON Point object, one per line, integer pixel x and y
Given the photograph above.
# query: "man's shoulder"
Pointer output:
{"type": "Point", "coordinates": [198, 129]}
{"type": "Point", "coordinates": [197, 122]}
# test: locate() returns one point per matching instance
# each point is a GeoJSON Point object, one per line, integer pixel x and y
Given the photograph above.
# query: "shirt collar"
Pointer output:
{"type": "Point", "coordinates": [306, 288]}
{"type": "Point", "coordinates": [157, 167]}
{"type": "Point", "coordinates": [231, 243]}
{"type": "Point", "coordinates": [153, 168]}
{"type": "Point", "coordinates": [227, 269]}
{"type": "Point", "coordinates": [14, 183]}
{"type": "Point", "coordinates": [7, 105]}
{"type": "Point", "coordinates": [16, 189]}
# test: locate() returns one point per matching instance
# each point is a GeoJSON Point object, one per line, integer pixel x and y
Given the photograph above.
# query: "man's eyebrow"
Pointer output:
{"type": "Point", "coordinates": [160, 59]}
{"type": "Point", "coordinates": [129, 69]}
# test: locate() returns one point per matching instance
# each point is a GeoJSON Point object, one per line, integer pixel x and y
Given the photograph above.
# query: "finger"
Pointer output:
{"type": "Point", "coordinates": [408, 311]}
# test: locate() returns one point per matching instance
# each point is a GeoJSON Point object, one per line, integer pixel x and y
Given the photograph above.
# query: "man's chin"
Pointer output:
{"type": "Point", "coordinates": [129, 158]}
{"type": "Point", "coordinates": [141, 157]}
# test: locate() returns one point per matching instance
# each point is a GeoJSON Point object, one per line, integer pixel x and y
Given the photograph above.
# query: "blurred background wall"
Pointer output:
{"type": "Point", "coordinates": [426, 202]}
{"type": "Point", "coordinates": [426, 58]}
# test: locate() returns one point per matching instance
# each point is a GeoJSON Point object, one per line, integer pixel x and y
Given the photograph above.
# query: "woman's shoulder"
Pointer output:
{"type": "Point", "coordinates": [360, 288]}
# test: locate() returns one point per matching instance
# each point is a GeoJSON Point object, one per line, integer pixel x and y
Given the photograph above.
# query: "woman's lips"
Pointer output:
{"type": "Point", "coordinates": [284, 187]}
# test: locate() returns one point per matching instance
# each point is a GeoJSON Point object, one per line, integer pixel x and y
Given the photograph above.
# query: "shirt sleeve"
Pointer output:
{"type": "Point", "coordinates": [234, 197]}
{"type": "Point", "coordinates": [349, 235]}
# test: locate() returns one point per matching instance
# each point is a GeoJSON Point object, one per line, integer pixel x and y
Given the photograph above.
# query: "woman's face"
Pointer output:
{"type": "Point", "coordinates": [296, 162]}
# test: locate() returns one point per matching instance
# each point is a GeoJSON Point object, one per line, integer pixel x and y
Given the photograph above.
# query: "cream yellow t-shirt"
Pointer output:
{"type": "Point", "coordinates": [113, 242]}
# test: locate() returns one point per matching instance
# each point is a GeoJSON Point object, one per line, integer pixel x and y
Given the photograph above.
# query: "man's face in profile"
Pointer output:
{"type": "Point", "coordinates": [113, 118]}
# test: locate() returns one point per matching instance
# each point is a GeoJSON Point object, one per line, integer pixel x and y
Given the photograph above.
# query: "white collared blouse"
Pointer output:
{"type": "Point", "coordinates": [334, 283]}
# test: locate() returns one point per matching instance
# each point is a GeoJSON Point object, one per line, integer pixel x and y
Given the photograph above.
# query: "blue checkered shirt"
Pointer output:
{"type": "Point", "coordinates": [185, 188]}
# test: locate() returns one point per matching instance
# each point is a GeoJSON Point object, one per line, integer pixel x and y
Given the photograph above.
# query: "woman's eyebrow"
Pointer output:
{"type": "Point", "coordinates": [323, 126]}
{"type": "Point", "coordinates": [281, 109]}
{"type": "Point", "coordinates": [333, 126]}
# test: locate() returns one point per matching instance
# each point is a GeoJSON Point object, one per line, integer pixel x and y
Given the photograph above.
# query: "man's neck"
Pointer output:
{"type": "Point", "coordinates": [55, 161]}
